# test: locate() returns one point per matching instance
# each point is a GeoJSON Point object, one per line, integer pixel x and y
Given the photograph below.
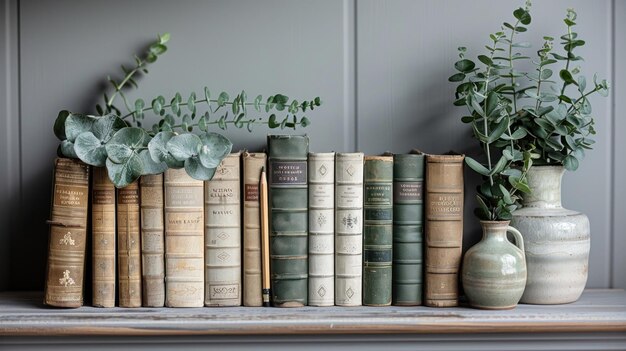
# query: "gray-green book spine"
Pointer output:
{"type": "Point", "coordinates": [288, 197]}
{"type": "Point", "coordinates": [377, 230]}
{"type": "Point", "coordinates": [408, 233]}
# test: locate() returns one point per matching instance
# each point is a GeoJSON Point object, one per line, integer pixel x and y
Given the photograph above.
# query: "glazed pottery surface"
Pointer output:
{"type": "Point", "coordinates": [557, 241]}
{"type": "Point", "coordinates": [494, 270]}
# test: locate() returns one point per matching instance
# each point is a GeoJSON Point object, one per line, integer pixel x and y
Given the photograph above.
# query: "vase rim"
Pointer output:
{"type": "Point", "coordinates": [547, 166]}
{"type": "Point", "coordinates": [495, 222]}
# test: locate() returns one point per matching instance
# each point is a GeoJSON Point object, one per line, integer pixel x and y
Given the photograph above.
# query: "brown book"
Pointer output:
{"type": "Point", "coordinates": [444, 228]}
{"type": "Point", "coordinates": [222, 235]}
{"type": "Point", "coordinates": [103, 238]}
{"type": "Point", "coordinates": [184, 240]}
{"type": "Point", "coordinates": [129, 246]}
{"type": "Point", "coordinates": [152, 241]}
{"type": "Point", "coordinates": [252, 165]}
{"type": "Point", "coordinates": [68, 234]}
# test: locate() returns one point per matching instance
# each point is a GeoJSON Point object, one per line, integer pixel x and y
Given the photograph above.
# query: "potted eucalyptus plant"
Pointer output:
{"type": "Point", "coordinates": [549, 126]}
{"type": "Point", "coordinates": [180, 138]}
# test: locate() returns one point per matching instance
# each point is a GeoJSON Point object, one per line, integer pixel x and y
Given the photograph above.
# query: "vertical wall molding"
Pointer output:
{"type": "Point", "coordinates": [10, 131]}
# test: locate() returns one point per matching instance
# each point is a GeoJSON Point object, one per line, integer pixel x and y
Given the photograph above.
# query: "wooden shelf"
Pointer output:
{"type": "Point", "coordinates": [22, 314]}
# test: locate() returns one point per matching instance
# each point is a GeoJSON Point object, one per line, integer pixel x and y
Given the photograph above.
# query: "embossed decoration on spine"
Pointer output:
{"type": "Point", "coordinates": [152, 240]}
{"type": "Point", "coordinates": [103, 239]}
{"type": "Point", "coordinates": [288, 197]}
{"type": "Point", "coordinates": [129, 246]}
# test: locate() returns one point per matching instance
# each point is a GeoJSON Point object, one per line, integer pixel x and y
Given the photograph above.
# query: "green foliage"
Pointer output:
{"type": "Point", "coordinates": [118, 141]}
{"type": "Point", "coordinates": [524, 116]}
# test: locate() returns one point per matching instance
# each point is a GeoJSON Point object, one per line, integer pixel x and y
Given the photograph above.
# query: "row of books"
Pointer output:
{"type": "Point", "coordinates": [345, 229]}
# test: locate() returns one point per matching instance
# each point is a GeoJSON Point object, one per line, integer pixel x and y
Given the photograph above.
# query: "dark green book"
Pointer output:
{"type": "Point", "coordinates": [408, 234]}
{"type": "Point", "coordinates": [288, 211]}
{"type": "Point", "coordinates": [377, 230]}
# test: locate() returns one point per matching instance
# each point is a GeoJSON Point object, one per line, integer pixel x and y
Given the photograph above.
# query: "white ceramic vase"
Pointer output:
{"type": "Point", "coordinates": [557, 241]}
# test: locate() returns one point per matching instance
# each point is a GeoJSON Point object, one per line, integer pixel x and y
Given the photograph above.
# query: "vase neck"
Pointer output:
{"type": "Point", "coordinates": [495, 230]}
{"type": "Point", "coordinates": [545, 185]}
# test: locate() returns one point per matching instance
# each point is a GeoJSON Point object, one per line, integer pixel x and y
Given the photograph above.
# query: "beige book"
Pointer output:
{"type": "Point", "coordinates": [321, 229]}
{"type": "Point", "coordinates": [129, 246]}
{"type": "Point", "coordinates": [348, 228]}
{"type": "Point", "coordinates": [222, 235]}
{"type": "Point", "coordinates": [252, 280]}
{"type": "Point", "coordinates": [184, 240]}
{"type": "Point", "coordinates": [103, 238]}
{"type": "Point", "coordinates": [68, 234]}
{"type": "Point", "coordinates": [152, 241]}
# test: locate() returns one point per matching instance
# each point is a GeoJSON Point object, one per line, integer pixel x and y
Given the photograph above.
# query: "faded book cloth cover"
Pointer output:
{"type": "Point", "coordinates": [129, 246]}
{"type": "Point", "coordinates": [348, 228]}
{"type": "Point", "coordinates": [184, 240]}
{"type": "Point", "coordinates": [288, 197]}
{"type": "Point", "coordinates": [252, 280]}
{"type": "Point", "coordinates": [222, 235]}
{"type": "Point", "coordinates": [444, 228]}
{"type": "Point", "coordinates": [321, 229]}
{"type": "Point", "coordinates": [377, 230]}
{"type": "Point", "coordinates": [68, 234]}
{"type": "Point", "coordinates": [152, 240]}
{"type": "Point", "coordinates": [103, 240]}
{"type": "Point", "coordinates": [408, 238]}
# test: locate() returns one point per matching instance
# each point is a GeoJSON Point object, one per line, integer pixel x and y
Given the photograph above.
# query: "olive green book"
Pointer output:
{"type": "Point", "coordinates": [288, 212]}
{"type": "Point", "coordinates": [377, 230]}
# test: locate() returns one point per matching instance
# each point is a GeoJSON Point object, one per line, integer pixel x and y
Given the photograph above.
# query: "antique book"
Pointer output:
{"type": "Point", "coordinates": [408, 233]}
{"type": "Point", "coordinates": [152, 241]}
{"type": "Point", "coordinates": [184, 240]}
{"type": "Point", "coordinates": [103, 238]}
{"type": "Point", "coordinates": [222, 235]}
{"type": "Point", "coordinates": [288, 197]}
{"type": "Point", "coordinates": [252, 282]}
{"type": "Point", "coordinates": [444, 228]}
{"type": "Point", "coordinates": [348, 228]}
{"type": "Point", "coordinates": [68, 234]}
{"type": "Point", "coordinates": [377, 230]}
{"type": "Point", "coordinates": [129, 246]}
{"type": "Point", "coordinates": [321, 229]}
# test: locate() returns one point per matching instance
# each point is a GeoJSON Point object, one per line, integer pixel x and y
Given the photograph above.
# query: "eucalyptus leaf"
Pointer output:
{"type": "Point", "coordinates": [59, 124]}
{"type": "Point", "coordinates": [215, 147]}
{"type": "Point", "coordinates": [75, 124]}
{"type": "Point", "coordinates": [67, 149]}
{"type": "Point", "coordinates": [90, 149]}
{"type": "Point", "coordinates": [196, 170]}
{"type": "Point", "coordinates": [124, 173]}
{"type": "Point", "coordinates": [126, 143]}
{"type": "Point", "coordinates": [476, 166]}
{"type": "Point", "coordinates": [159, 152]}
{"type": "Point", "coordinates": [570, 163]}
{"type": "Point", "coordinates": [183, 147]}
{"type": "Point", "coordinates": [148, 166]}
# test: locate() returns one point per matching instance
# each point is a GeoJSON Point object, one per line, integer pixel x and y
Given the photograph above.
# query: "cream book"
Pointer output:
{"type": "Point", "coordinates": [103, 239]}
{"type": "Point", "coordinates": [252, 165]}
{"type": "Point", "coordinates": [321, 229]}
{"type": "Point", "coordinates": [129, 246]}
{"type": "Point", "coordinates": [184, 240]}
{"type": "Point", "coordinates": [348, 228]}
{"type": "Point", "coordinates": [152, 241]}
{"type": "Point", "coordinates": [222, 235]}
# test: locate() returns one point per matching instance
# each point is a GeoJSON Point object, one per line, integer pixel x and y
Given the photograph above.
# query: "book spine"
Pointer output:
{"type": "Point", "coordinates": [321, 229]}
{"type": "Point", "coordinates": [252, 280]}
{"type": "Point", "coordinates": [377, 230]}
{"type": "Point", "coordinates": [288, 219]}
{"type": "Point", "coordinates": [152, 241]}
{"type": "Point", "coordinates": [129, 246]}
{"type": "Point", "coordinates": [408, 215]}
{"type": "Point", "coordinates": [184, 240]}
{"type": "Point", "coordinates": [68, 234]}
{"type": "Point", "coordinates": [348, 228]}
{"type": "Point", "coordinates": [103, 239]}
{"type": "Point", "coordinates": [222, 235]}
{"type": "Point", "coordinates": [444, 228]}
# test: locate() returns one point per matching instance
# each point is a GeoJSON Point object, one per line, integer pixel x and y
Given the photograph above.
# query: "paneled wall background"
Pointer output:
{"type": "Point", "coordinates": [381, 68]}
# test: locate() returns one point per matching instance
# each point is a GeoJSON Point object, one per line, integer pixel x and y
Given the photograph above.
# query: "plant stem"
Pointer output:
{"type": "Point", "coordinates": [485, 124]}
{"type": "Point", "coordinates": [118, 87]}
{"type": "Point", "coordinates": [569, 51]}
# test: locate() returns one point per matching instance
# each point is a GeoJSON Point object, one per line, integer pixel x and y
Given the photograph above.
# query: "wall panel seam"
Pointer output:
{"type": "Point", "coordinates": [613, 169]}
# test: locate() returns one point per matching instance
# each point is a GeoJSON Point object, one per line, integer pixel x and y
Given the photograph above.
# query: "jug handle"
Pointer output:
{"type": "Point", "coordinates": [519, 240]}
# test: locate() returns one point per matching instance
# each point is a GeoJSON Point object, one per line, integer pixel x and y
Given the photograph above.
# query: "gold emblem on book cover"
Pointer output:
{"type": "Point", "coordinates": [67, 239]}
{"type": "Point", "coordinates": [66, 280]}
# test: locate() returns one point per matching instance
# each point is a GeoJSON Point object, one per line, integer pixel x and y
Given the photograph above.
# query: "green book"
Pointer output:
{"type": "Point", "coordinates": [408, 234]}
{"type": "Point", "coordinates": [377, 230]}
{"type": "Point", "coordinates": [288, 212]}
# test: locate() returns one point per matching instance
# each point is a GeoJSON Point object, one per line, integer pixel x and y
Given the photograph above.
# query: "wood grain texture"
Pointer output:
{"type": "Point", "coordinates": [597, 311]}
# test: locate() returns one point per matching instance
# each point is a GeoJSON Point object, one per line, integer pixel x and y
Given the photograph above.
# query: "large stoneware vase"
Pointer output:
{"type": "Point", "coordinates": [494, 270]}
{"type": "Point", "coordinates": [557, 241]}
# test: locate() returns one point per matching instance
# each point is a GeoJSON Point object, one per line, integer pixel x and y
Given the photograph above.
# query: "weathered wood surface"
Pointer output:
{"type": "Point", "coordinates": [22, 314]}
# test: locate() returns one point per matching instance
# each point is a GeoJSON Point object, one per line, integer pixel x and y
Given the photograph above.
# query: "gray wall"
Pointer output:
{"type": "Point", "coordinates": [381, 68]}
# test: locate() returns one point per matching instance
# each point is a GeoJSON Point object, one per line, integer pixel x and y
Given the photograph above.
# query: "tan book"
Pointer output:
{"type": "Point", "coordinates": [129, 246]}
{"type": "Point", "coordinates": [222, 235]}
{"type": "Point", "coordinates": [68, 234]}
{"type": "Point", "coordinates": [184, 240]}
{"type": "Point", "coordinates": [103, 238]}
{"type": "Point", "coordinates": [152, 241]}
{"type": "Point", "coordinates": [444, 228]}
{"type": "Point", "coordinates": [252, 282]}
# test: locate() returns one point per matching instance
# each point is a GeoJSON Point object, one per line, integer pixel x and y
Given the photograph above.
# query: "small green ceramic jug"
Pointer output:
{"type": "Point", "coordinates": [494, 270]}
